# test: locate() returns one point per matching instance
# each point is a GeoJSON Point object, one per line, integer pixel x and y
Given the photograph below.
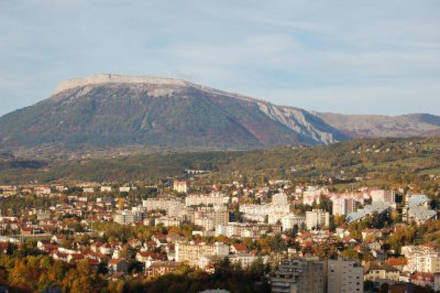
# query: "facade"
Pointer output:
{"type": "Point", "coordinates": [274, 211]}
{"type": "Point", "coordinates": [192, 252]}
{"type": "Point", "coordinates": [180, 186]}
{"type": "Point", "coordinates": [379, 195]}
{"type": "Point", "coordinates": [289, 221]}
{"type": "Point", "coordinates": [317, 218]}
{"type": "Point", "coordinates": [343, 206]}
{"type": "Point", "coordinates": [173, 207]}
{"type": "Point", "coordinates": [421, 259]}
{"type": "Point", "coordinates": [126, 217]}
{"type": "Point", "coordinates": [345, 276]}
{"type": "Point", "coordinates": [298, 276]}
{"type": "Point", "coordinates": [381, 273]}
{"type": "Point", "coordinates": [215, 199]}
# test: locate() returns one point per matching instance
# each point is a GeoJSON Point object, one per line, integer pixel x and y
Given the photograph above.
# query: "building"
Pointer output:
{"type": "Point", "coordinates": [118, 266]}
{"type": "Point", "coordinates": [192, 252]}
{"type": "Point", "coordinates": [381, 273]}
{"type": "Point", "coordinates": [381, 209]}
{"type": "Point", "coordinates": [180, 186]}
{"type": "Point", "coordinates": [417, 209]}
{"type": "Point", "coordinates": [292, 220]}
{"type": "Point", "coordinates": [298, 276]}
{"type": "Point", "coordinates": [421, 258]}
{"type": "Point", "coordinates": [313, 194]}
{"type": "Point", "coordinates": [380, 195]}
{"type": "Point", "coordinates": [343, 206]}
{"type": "Point", "coordinates": [209, 218]}
{"type": "Point", "coordinates": [214, 199]}
{"type": "Point", "coordinates": [172, 207]}
{"type": "Point", "coordinates": [167, 221]}
{"type": "Point", "coordinates": [274, 212]}
{"type": "Point", "coordinates": [106, 189]}
{"type": "Point", "coordinates": [344, 276]}
{"type": "Point", "coordinates": [126, 217]}
{"type": "Point", "coordinates": [317, 218]}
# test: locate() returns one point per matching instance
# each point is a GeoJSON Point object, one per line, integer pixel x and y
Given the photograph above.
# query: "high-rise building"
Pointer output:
{"type": "Point", "coordinates": [298, 276]}
{"type": "Point", "coordinates": [343, 206]}
{"type": "Point", "coordinates": [317, 218]}
{"type": "Point", "coordinates": [345, 276]}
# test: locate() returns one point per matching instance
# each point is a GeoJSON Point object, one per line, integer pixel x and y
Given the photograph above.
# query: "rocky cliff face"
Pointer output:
{"type": "Point", "coordinates": [115, 111]}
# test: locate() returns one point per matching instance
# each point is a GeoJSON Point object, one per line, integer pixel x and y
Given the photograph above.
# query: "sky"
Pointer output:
{"type": "Point", "coordinates": [358, 57]}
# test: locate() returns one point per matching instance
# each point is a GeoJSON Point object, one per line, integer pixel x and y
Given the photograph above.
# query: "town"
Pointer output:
{"type": "Point", "coordinates": [305, 238]}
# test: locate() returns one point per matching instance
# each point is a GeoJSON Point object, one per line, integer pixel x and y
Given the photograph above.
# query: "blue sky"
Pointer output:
{"type": "Point", "coordinates": [338, 56]}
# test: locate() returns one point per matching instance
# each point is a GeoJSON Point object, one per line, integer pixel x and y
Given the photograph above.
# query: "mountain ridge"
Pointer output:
{"type": "Point", "coordinates": [111, 111]}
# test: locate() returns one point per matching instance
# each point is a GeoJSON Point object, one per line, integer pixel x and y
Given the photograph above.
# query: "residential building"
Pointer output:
{"type": "Point", "coordinates": [343, 206]}
{"type": "Point", "coordinates": [298, 276]}
{"type": "Point", "coordinates": [180, 186]}
{"type": "Point", "coordinates": [214, 199]}
{"type": "Point", "coordinates": [317, 218]}
{"type": "Point", "coordinates": [292, 220]}
{"type": "Point", "coordinates": [381, 273]}
{"type": "Point", "coordinates": [421, 258]}
{"type": "Point", "coordinates": [345, 276]}
{"type": "Point", "coordinates": [191, 252]}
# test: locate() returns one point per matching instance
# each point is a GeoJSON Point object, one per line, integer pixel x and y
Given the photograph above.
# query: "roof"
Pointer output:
{"type": "Point", "coordinates": [116, 261]}
{"type": "Point", "coordinates": [381, 266]}
{"type": "Point", "coordinates": [240, 247]}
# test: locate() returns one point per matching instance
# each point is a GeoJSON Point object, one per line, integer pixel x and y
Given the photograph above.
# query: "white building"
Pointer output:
{"type": "Point", "coordinates": [289, 221]}
{"type": "Point", "coordinates": [342, 206]}
{"type": "Point", "coordinates": [126, 217]}
{"type": "Point", "coordinates": [173, 207]}
{"type": "Point", "coordinates": [192, 252]}
{"type": "Point", "coordinates": [106, 189]}
{"type": "Point", "coordinates": [421, 258]}
{"type": "Point", "coordinates": [381, 195]}
{"type": "Point", "coordinates": [214, 199]}
{"type": "Point", "coordinates": [313, 193]}
{"type": "Point", "coordinates": [275, 211]}
{"type": "Point", "coordinates": [180, 186]}
{"type": "Point", "coordinates": [317, 218]}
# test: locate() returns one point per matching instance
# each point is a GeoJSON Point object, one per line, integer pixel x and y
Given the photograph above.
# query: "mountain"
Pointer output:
{"type": "Point", "coordinates": [111, 111]}
{"type": "Point", "coordinates": [107, 111]}
{"type": "Point", "coordinates": [384, 126]}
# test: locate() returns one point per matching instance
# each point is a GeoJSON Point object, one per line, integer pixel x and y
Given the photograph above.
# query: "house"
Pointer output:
{"type": "Point", "coordinates": [238, 248]}
{"type": "Point", "coordinates": [423, 279]}
{"type": "Point", "coordinates": [381, 273]}
{"type": "Point", "coordinates": [174, 237]}
{"type": "Point", "coordinates": [160, 268]}
{"type": "Point", "coordinates": [118, 266]}
{"type": "Point", "coordinates": [160, 240]}
{"type": "Point", "coordinates": [135, 243]}
{"type": "Point", "coordinates": [148, 257]}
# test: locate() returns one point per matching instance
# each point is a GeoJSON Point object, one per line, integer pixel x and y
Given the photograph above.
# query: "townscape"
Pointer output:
{"type": "Point", "coordinates": [367, 238]}
{"type": "Point", "coordinates": [219, 146]}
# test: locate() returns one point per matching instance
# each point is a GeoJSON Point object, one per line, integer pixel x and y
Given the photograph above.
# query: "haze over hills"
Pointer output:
{"type": "Point", "coordinates": [384, 126]}
{"type": "Point", "coordinates": [111, 111]}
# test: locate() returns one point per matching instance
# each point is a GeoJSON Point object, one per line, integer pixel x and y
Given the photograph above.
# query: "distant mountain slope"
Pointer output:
{"type": "Point", "coordinates": [113, 111]}
{"type": "Point", "coordinates": [384, 126]}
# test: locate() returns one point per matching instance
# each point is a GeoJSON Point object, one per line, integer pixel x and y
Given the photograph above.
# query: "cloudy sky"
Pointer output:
{"type": "Point", "coordinates": [337, 56]}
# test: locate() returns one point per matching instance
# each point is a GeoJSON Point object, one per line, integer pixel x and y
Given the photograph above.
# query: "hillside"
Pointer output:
{"type": "Point", "coordinates": [381, 161]}
{"type": "Point", "coordinates": [384, 126]}
{"type": "Point", "coordinates": [108, 111]}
